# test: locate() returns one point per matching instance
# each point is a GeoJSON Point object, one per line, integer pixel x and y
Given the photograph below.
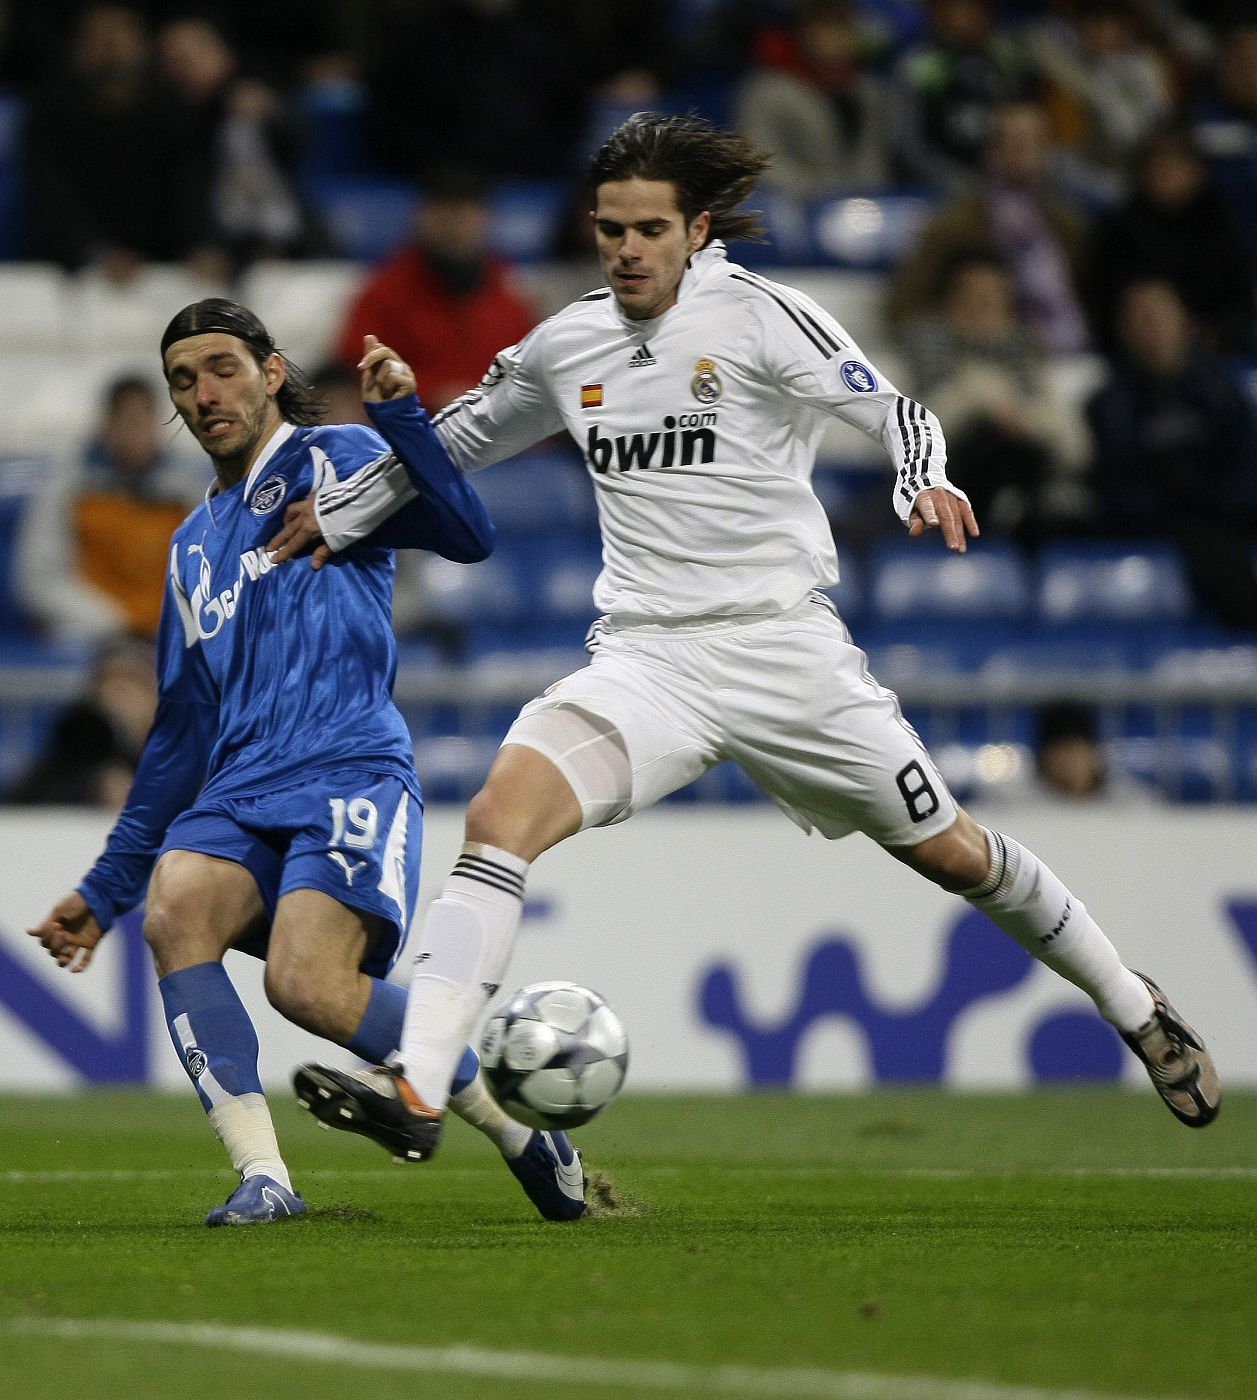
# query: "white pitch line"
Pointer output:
{"type": "Point", "coordinates": [783, 1172]}
{"type": "Point", "coordinates": [598, 1372]}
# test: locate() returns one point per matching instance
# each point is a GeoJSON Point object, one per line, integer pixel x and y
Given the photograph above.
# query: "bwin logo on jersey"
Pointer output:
{"type": "Point", "coordinates": [268, 495]}
{"type": "Point", "coordinates": [687, 438]}
{"type": "Point", "coordinates": [857, 377]}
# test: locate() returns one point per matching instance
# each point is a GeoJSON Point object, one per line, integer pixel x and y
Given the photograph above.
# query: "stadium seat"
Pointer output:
{"type": "Point", "coordinates": [871, 230]}
{"type": "Point", "coordinates": [33, 307]}
{"type": "Point", "coordinates": [921, 580]}
{"type": "Point", "coordinates": [459, 595]}
{"type": "Point", "coordinates": [1186, 769]}
{"type": "Point", "coordinates": [526, 214]}
{"type": "Point", "coordinates": [113, 320]}
{"type": "Point", "coordinates": [302, 304]}
{"type": "Point", "coordinates": [366, 216]}
{"type": "Point", "coordinates": [21, 478]}
{"type": "Point", "coordinates": [538, 493]}
{"type": "Point", "coordinates": [1111, 582]}
{"type": "Point", "coordinates": [453, 767]}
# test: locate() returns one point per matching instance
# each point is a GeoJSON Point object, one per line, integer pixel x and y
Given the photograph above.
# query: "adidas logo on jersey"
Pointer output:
{"type": "Point", "coordinates": [641, 356]}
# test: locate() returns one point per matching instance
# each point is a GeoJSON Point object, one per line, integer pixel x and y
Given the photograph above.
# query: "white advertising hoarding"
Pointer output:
{"type": "Point", "coordinates": [736, 950]}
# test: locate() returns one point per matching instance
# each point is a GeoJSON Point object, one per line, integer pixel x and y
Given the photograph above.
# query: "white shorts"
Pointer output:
{"type": "Point", "coordinates": [788, 698]}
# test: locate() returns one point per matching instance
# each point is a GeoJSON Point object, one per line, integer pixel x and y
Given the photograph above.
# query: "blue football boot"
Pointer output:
{"type": "Point", "coordinates": [550, 1171]}
{"type": "Point", "coordinates": [258, 1200]}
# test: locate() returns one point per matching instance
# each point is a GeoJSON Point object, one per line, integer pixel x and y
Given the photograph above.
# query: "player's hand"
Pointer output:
{"type": "Point", "coordinates": [70, 933]}
{"type": "Point", "coordinates": [300, 528]}
{"type": "Point", "coordinates": [385, 375]}
{"type": "Point", "coordinates": [940, 509]}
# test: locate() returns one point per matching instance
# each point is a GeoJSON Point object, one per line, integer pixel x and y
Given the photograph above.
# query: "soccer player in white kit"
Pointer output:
{"type": "Point", "coordinates": [699, 391]}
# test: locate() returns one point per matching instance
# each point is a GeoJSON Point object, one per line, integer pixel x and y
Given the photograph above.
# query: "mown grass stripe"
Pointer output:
{"type": "Point", "coordinates": [327, 1348]}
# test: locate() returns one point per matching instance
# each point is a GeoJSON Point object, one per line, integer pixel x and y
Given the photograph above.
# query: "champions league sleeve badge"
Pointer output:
{"type": "Point", "coordinates": [857, 377]}
{"type": "Point", "coordinates": [706, 386]}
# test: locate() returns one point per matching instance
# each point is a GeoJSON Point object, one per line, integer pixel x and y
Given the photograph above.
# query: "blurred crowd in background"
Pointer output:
{"type": "Point", "coordinates": [1081, 177]}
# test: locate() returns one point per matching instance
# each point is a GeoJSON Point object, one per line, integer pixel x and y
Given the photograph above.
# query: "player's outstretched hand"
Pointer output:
{"type": "Point", "coordinates": [385, 375]}
{"type": "Point", "coordinates": [70, 933]}
{"type": "Point", "coordinates": [943, 510]}
{"type": "Point", "coordinates": [300, 528]}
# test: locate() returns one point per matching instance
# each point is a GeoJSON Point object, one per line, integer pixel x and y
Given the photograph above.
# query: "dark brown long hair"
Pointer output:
{"type": "Point", "coordinates": [298, 400]}
{"type": "Point", "coordinates": [709, 168]}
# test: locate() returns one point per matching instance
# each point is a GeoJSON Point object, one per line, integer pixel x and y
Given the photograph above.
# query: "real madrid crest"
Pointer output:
{"type": "Point", "coordinates": [706, 386]}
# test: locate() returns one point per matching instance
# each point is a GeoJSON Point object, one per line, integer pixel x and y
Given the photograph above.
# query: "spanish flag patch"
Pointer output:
{"type": "Point", "coordinates": [591, 395]}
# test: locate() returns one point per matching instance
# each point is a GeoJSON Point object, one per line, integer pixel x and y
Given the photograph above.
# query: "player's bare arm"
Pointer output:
{"type": "Point", "coordinates": [942, 510]}
{"type": "Point", "coordinates": [70, 933]}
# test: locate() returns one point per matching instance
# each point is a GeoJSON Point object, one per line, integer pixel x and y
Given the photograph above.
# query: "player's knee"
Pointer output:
{"type": "Point", "coordinates": [525, 806]}
{"type": "Point", "coordinates": [175, 932]}
{"type": "Point", "coordinates": [298, 996]}
{"type": "Point", "coordinates": [955, 859]}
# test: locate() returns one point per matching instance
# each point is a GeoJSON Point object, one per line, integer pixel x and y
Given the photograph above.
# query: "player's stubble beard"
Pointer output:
{"type": "Point", "coordinates": [232, 460]}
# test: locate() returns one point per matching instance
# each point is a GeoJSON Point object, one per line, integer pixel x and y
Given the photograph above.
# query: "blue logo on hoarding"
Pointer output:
{"type": "Point", "coordinates": [909, 1043]}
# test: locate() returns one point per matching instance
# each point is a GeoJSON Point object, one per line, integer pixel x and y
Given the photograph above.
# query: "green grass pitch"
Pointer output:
{"type": "Point", "coordinates": [901, 1245]}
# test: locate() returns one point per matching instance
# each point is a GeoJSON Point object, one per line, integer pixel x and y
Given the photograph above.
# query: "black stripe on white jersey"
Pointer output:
{"type": "Point", "coordinates": [597, 296]}
{"type": "Point", "coordinates": [345, 493]}
{"type": "Point", "coordinates": [796, 301]}
{"type": "Point", "coordinates": [909, 485]}
{"type": "Point", "coordinates": [807, 324]}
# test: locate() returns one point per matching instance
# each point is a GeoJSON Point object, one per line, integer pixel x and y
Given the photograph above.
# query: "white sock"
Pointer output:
{"type": "Point", "coordinates": [1024, 898]}
{"type": "Point", "coordinates": [475, 1105]}
{"type": "Point", "coordinates": [244, 1127]}
{"type": "Point", "coordinates": [467, 941]}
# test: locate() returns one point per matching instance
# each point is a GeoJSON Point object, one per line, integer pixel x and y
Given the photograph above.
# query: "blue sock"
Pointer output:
{"type": "Point", "coordinates": [212, 1033]}
{"type": "Point", "coordinates": [379, 1032]}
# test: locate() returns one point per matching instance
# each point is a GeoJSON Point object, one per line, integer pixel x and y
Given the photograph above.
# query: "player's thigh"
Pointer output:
{"type": "Point", "coordinates": [356, 837]}
{"type": "Point", "coordinates": [664, 720]}
{"type": "Point", "coordinates": [198, 906]}
{"type": "Point", "coordinates": [817, 733]}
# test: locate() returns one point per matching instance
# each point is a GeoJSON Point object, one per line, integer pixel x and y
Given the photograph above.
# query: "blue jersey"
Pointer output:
{"type": "Point", "coordinates": [270, 675]}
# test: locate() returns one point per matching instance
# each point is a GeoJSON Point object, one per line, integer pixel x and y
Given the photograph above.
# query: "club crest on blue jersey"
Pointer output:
{"type": "Point", "coordinates": [268, 495]}
{"type": "Point", "coordinates": [706, 386]}
{"type": "Point", "coordinates": [857, 377]}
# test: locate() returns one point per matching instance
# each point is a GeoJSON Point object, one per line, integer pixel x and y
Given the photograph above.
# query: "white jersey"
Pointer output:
{"type": "Point", "coordinates": [700, 429]}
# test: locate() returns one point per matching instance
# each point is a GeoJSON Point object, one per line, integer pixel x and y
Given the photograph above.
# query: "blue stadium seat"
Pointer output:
{"type": "Point", "coordinates": [1102, 581]}
{"type": "Point", "coordinates": [451, 767]}
{"type": "Point", "coordinates": [1186, 769]}
{"type": "Point", "coordinates": [872, 230]}
{"type": "Point", "coordinates": [20, 478]}
{"type": "Point", "coordinates": [460, 595]}
{"type": "Point", "coordinates": [921, 580]}
{"type": "Point", "coordinates": [366, 216]}
{"type": "Point", "coordinates": [526, 214]}
{"type": "Point", "coordinates": [538, 493]}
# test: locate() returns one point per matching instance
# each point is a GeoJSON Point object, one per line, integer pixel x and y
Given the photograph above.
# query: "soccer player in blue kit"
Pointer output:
{"type": "Point", "coordinates": [276, 808]}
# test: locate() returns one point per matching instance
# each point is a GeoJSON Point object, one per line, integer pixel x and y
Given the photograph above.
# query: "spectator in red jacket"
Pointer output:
{"type": "Point", "coordinates": [442, 300]}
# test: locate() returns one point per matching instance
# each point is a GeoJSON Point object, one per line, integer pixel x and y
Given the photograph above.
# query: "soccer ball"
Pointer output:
{"type": "Point", "coordinates": [554, 1055]}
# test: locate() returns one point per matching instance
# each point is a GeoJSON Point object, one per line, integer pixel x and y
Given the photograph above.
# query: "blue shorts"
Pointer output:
{"type": "Point", "coordinates": [356, 836]}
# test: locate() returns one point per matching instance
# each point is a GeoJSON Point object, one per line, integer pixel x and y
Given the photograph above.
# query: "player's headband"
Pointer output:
{"type": "Point", "coordinates": [217, 314]}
